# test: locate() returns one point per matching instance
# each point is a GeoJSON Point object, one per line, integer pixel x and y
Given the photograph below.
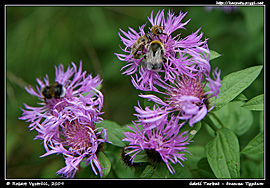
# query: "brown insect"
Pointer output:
{"type": "Point", "coordinates": [140, 44]}
{"type": "Point", "coordinates": [54, 90]}
{"type": "Point", "coordinates": [154, 57]}
{"type": "Point", "coordinates": [157, 30]}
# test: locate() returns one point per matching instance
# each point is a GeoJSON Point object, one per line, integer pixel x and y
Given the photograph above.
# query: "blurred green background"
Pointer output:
{"type": "Point", "coordinates": [38, 38]}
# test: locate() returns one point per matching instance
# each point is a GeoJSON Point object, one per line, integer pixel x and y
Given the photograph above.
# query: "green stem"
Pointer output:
{"type": "Point", "coordinates": [210, 123]}
{"type": "Point", "coordinates": [214, 115]}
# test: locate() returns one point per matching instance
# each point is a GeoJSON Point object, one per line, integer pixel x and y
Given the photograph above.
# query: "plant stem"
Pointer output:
{"type": "Point", "coordinates": [210, 123]}
{"type": "Point", "coordinates": [214, 115]}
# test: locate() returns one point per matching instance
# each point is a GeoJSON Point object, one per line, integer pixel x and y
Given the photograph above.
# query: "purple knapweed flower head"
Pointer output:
{"type": "Point", "coordinates": [186, 97]}
{"type": "Point", "coordinates": [75, 139]}
{"type": "Point", "coordinates": [164, 142]}
{"type": "Point", "coordinates": [80, 91]}
{"type": "Point", "coordinates": [66, 124]}
{"type": "Point", "coordinates": [155, 56]}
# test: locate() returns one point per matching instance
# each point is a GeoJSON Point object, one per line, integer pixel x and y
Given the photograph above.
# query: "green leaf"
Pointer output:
{"type": "Point", "coordinates": [139, 169]}
{"type": "Point", "coordinates": [195, 130]}
{"type": "Point", "coordinates": [105, 163]}
{"type": "Point", "coordinates": [255, 146]}
{"type": "Point", "coordinates": [140, 157]}
{"type": "Point", "coordinates": [204, 169]}
{"type": "Point", "coordinates": [87, 171]}
{"type": "Point", "coordinates": [252, 169]}
{"type": "Point", "coordinates": [148, 172]}
{"type": "Point", "coordinates": [192, 131]}
{"type": "Point", "coordinates": [240, 97]}
{"type": "Point", "coordinates": [233, 84]}
{"type": "Point", "coordinates": [256, 103]}
{"type": "Point", "coordinates": [223, 154]}
{"type": "Point", "coordinates": [214, 55]}
{"type": "Point", "coordinates": [197, 154]}
{"type": "Point", "coordinates": [114, 131]}
{"type": "Point", "coordinates": [180, 172]}
{"type": "Point", "coordinates": [234, 117]}
{"type": "Point", "coordinates": [261, 121]}
{"type": "Point", "coordinates": [161, 171]}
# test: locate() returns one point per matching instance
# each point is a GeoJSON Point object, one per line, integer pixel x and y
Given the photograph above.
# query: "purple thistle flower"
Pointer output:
{"type": "Point", "coordinates": [186, 97]}
{"type": "Point", "coordinates": [75, 140]}
{"type": "Point", "coordinates": [80, 92]}
{"type": "Point", "coordinates": [183, 55]}
{"type": "Point", "coordinates": [162, 143]}
{"type": "Point", "coordinates": [67, 125]}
